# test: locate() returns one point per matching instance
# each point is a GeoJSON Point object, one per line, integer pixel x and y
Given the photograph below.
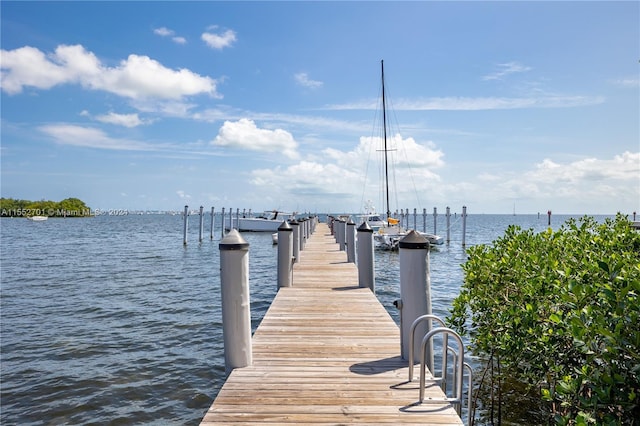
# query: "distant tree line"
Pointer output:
{"type": "Point", "coordinates": [69, 207]}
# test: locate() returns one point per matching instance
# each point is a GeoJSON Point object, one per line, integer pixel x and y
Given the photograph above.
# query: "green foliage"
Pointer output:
{"type": "Point", "coordinates": [561, 311]}
{"type": "Point", "coordinates": [69, 207]}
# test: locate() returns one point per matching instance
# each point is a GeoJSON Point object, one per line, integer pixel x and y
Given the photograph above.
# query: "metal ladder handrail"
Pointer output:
{"type": "Point", "coordinates": [412, 334]}
{"type": "Point", "coordinates": [460, 361]}
{"type": "Point", "coordinates": [458, 358]}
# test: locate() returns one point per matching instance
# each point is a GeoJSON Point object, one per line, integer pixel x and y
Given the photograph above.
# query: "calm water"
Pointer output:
{"type": "Point", "coordinates": [111, 320]}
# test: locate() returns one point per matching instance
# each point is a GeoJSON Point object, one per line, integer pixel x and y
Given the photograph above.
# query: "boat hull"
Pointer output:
{"type": "Point", "coordinates": [253, 224]}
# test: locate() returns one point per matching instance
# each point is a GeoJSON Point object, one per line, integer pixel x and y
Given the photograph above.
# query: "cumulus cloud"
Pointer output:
{"type": "Point", "coordinates": [219, 40]}
{"type": "Point", "coordinates": [346, 174]}
{"type": "Point", "coordinates": [310, 178]}
{"type": "Point", "coordinates": [244, 134]}
{"type": "Point", "coordinates": [69, 134]}
{"type": "Point", "coordinates": [582, 173]}
{"type": "Point", "coordinates": [303, 80]}
{"type": "Point", "coordinates": [137, 77]}
{"type": "Point", "coordinates": [588, 185]}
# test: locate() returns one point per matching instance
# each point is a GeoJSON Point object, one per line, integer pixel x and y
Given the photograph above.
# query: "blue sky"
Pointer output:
{"type": "Point", "coordinates": [263, 105]}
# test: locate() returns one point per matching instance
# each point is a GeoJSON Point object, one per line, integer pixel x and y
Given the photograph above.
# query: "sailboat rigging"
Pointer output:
{"type": "Point", "coordinates": [387, 237]}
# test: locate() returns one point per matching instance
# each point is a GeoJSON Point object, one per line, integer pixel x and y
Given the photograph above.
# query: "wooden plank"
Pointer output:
{"type": "Point", "coordinates": [326, 352]}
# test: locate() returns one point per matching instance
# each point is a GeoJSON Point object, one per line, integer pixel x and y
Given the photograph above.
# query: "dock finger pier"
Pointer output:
{"type": "Point", "coordinates": [326, 351]}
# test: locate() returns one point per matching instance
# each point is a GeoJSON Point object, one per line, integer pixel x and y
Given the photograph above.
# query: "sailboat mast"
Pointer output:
{"type": "Point", "coordinates": [384, 127]}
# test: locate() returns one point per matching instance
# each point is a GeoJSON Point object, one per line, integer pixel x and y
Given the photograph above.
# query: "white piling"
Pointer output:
{"type": "Point", "coordinates": [435, 217]}
{"type": "Point", "coordinates": [212, 221]}
{"type": "Point", "coordinates": [285, 254]}
{"type": "Point", "coordinates": [366, 260]}
{"type": "Point", "coordinates": [236, 306]}
{"type": "Point", "coordinates": [464, 226]}
{"type": "Point", "coordinates": [186, 225]}
{"type": "Point", "coordinates": [424, 220]}
{"type": "Point", "coordinates": [342, 231]}
{"type": "Point", "coordinates": [351, 241]}
{"type": "Point", "coordinates": [415, 290]}
{"type": "Point", "coordinates": [304, 232]}
{"type": "Point", "coordinates": [201, 228]}
{"type": "Point", "coordinates": [448, 225]}
{"type": "Point", "coordinates": [295, 225]}
{"type": "Point", "coordinates": [222, 230]}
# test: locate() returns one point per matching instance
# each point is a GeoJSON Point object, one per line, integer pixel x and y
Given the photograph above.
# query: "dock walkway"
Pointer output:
{"type": "Point", "coordinates": [326, 352]}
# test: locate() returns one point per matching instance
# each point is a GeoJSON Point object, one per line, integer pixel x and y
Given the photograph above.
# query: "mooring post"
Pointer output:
{"type": "Point", "coordinates": [415, 291]}
{"type": "Point", "coordinates": [285, 254]}
{"type": "Point", "coordinates": [295, 225]}
{"type": "Point", "coordinates": [186, 225]}
{"type": "Point", "coordinates": [351, 241]}
{"type": "Point", "coordinates": [549, 218]}
{"type": "Point", "coordinates": [201, 228]}
{"type": "Point", "coordinates": [236, 306]}
{"type": "Point", "coordinates": [222, 227]}
{"type": "Point", "coordinates": [366, 262]}
{"type": "Point", "coordinates": [424, 220]}
{"type": "Point", "coordinates": [435, 217]}
{"type": "Point", "coordinates": [305, 225]}
{"type": "Point", "coordinates": [212, 221]}
{"type": "Point", "coordinates": [448, 225]}
{"type": "Point", "coordinates": [342, 231]}
{"type": "Point", "coordinates": [464, 226]}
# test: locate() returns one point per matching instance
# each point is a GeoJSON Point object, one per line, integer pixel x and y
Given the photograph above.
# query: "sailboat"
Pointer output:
{"type": "Point", "coordinates": [389, 234]}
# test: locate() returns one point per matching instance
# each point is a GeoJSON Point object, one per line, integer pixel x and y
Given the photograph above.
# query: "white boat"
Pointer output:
{"type": "Point", "coordinates": [370, 216]}
{"type": "Point", "coordinates": [390, 232]}
{"type": "Point", "coordinates": [38, 218]}
{"type": "Point", "coordinates": [267, 222]}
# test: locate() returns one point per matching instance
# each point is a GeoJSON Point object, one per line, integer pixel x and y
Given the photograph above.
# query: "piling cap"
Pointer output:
{"type": "Point", "coordinates": [294, 222]}
{"type": "Point", "coordinates": [284, 226]}
{"type": "Point", "coordinates": [233, 241]}
{"type": "Point", "coordinates": [365, 227]}
{"type": "Point", "coordinates": [351, 222]}
{"type": "Point", "coordinates": [413, 240]}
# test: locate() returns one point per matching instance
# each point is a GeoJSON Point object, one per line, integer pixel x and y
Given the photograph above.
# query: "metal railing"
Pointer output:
{"type": "Point", "coordinates": [458, 370]}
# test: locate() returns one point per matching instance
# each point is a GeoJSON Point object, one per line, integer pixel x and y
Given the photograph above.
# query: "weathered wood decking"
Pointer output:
{"type": "Point", "coordinates": [326, 352]}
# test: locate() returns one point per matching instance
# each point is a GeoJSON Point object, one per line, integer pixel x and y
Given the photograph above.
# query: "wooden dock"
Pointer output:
{"type": "Point", "coordinates": [326, 352]}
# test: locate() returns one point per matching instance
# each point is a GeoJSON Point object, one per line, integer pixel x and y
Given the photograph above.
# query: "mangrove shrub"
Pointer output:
{"type": "Point", "coordinates": [561, 313]}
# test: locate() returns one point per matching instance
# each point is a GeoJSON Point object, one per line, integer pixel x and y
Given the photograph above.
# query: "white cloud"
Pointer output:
{"type": "Point", "coordinates": [244, 134]}
{"type": "Point", "coordinates": [69, 134]}
{"type": "Point", "coordinates": [349, 174]}
{"type": "Point", "coordinates": [505, 70]}
{"type": "Point", "coordinates": [219, 40]}
{"type": "Point", "coordinates": [166, 32]}
{"type": "Point", "coordinates": [163, 32]}
{"type": "Point", "coordinates": [183, 194]}
{"type": "Point", "coordinates": [585, 186]}
{"type": "Point", "coordinates": [303, 79]}
{"type": "Point", "coordinates": [478, 104]}
{"type": "Point", "coordinates": [126, 120]}
{"type": "Point", "coordinates": [310, 178]}
{"type": "Point", "coordinates": [137, 77]}
{"type": "Point", "coordinates": [629, 82]}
